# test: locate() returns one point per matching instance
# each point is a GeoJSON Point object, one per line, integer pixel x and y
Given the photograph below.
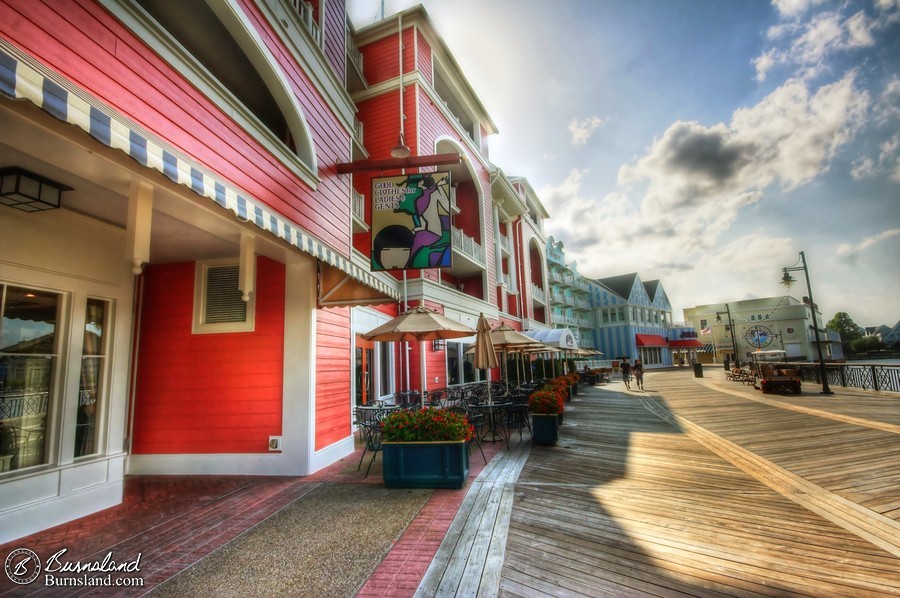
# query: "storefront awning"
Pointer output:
{"type": "Point", "coordinates": [707, 349]}
{"type": "Point", "coordinates": [685, 343]}
{"type": "Point", "coordinates": [339, 288]}
{"type": "Point", "coordinates": [21, 78]}
{"type": "Point", "coordinates": [562, 338]}
{"type": "Point", "coordinates": [650, 340]}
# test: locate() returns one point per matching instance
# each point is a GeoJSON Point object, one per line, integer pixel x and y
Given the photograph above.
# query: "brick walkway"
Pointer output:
{"type": "Point", "coordinates": [175, 521]}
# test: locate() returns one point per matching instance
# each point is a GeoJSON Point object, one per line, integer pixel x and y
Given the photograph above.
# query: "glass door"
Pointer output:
{"type": "Point", "coordinates": [365, 363]}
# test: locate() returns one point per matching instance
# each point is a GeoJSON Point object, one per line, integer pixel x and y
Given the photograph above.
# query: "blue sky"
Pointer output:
{"type": "Point", "coordinates": [701, 143]}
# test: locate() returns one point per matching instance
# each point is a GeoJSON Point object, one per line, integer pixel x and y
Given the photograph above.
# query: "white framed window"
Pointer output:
{"type": "Point", "coordinates": [218, 303]}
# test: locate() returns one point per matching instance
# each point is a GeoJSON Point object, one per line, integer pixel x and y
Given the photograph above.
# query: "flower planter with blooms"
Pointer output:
{"type": "Point", "coordinates": [573, 383]}
{"type": "Point", "coordinates": [547, 405]}
{"type": "Point", "coordinates": [427, 448]}
{"type": "Point", "coordinates": [562, 383]}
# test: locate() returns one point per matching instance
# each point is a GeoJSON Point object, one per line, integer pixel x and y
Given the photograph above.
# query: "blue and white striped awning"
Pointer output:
{"type": "Point", "coordinates": [23, 78]}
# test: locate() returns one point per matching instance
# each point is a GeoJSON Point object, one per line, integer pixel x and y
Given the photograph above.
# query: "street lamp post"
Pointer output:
{"type": "Point", "coordinates": [787, 280]}
{"type": "Point", "coordinates": [731, 328]}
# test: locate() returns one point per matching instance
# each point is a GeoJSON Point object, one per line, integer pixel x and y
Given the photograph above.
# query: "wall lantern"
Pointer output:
{"type": "Point", "coordinates": [29, 192]}
{"type": "Point", "coordinates": [438, 344]}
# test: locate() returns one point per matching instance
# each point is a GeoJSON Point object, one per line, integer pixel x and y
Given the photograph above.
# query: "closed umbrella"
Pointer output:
{"type": "Point", "coordinates": [485, 357]}
{"type": "Point", "coordinates": [419, 324]}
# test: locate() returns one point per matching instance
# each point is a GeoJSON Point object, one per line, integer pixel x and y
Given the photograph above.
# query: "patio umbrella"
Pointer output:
{"type": "Point", "coordinates": [506, 339]}
{"type": "Point", "coordinates": [419, 324]}
{"type": "Point", "coordinates": [485, 357]}
{"type": "Point", "coordinates": [540, 348]}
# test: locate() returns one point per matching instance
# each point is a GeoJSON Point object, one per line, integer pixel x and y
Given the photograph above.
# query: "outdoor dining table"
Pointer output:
{"type": "Point", "coordinates": [493, 413]}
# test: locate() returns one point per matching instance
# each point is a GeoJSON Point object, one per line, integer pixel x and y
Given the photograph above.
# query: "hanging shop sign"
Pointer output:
{"type": "Point", "coordinates": [411, 221]}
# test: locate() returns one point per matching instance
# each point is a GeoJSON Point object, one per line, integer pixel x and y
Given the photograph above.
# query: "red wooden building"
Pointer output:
{"type": "Point", "coordinates": [185, 273]}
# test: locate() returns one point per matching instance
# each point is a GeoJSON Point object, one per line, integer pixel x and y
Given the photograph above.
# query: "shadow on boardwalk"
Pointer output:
{"type": "Point", "coordinates": [630, 503]}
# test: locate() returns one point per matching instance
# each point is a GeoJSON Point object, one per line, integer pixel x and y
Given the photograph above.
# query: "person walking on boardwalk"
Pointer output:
{"type": "Point", "coordinates": [626, 372]}
{"type": "Point", "coordinates": [638, 369]}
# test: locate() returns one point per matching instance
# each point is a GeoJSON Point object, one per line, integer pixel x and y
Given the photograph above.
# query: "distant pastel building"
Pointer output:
{"type": "Point", "coordinates": [570, 296]}
{"type": "Point", "coordinates": [732, 331]}
{"type": "Point", "coordinates": [634, 319]}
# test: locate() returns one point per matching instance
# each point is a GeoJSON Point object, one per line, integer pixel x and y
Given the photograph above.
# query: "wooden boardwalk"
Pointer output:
{"type": "Point", "coordinates": [690, 490]}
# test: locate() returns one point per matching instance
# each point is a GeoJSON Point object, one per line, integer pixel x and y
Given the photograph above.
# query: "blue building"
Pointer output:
{"type": "Point", "coordinates": [634, 319]}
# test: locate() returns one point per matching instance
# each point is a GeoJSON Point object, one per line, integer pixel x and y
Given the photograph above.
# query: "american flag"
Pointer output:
{"type": "Point", "coordinates": [705, 331]}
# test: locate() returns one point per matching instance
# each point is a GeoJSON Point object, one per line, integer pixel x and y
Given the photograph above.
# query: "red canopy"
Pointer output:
{"type": "Point", "coordinates": [650, 340]}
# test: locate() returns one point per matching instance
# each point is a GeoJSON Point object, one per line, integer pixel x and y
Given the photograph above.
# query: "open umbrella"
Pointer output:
{"type": "Point", "coordinates": [419, 324]}
{"type": "Point", "coordinates": [507, 339]}
{"type": "Point", "coordinates": [485, 357]}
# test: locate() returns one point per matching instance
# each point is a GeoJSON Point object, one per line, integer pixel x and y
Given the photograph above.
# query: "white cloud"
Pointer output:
{"type": "Point", "coordinates": [808, 44]}
{"type": "Point", "coordinates": [846, 249]}
{"type": "Point", "coordinates": [793, 8]}
{"type": "Point", "coordinates": [888, 105]}
{"type": "Point", "coordinates": [788, 139]}
{"type": "Point", "coordinates": [763, 63]}
{"type": "Point", "coordinates": [863, 169]}
{"type": "Point", "coordinates": [895, 173]}
{"type": "Point", "coordinates": [581, 129]}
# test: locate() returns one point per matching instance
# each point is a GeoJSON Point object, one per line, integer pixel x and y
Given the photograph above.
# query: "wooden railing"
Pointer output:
{"type": "Point", "coordinates": [359, 204]}
{"type": "Point", "coordinates": [467, 245]}
{"type": "Point", "coordinates": [305, 9]}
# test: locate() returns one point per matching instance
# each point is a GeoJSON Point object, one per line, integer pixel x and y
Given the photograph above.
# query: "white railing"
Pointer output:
{"type": "Point", "coordinates": [582, 285]}
{"type": "Point", "coordinates": [538, 293]}
{"type": "Point", "coordinates": [581, 303]}
{"type": "Point", "coordinates": [306, 15]}
{"type": "Point", "coordinates": [504, 243]}
{"type": "Point", "coordinates": [502, 278]}
{"type": "Point", "coordinates": [353, 51]}
{"type": "Point", "coordinates": [467, 245]}
{"type": "Point", "coordinates": [359, 204]}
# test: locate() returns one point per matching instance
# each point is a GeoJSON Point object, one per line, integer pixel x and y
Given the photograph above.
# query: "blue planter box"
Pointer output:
{"type": "Point", "coordinates": [544, 429]}
{"type": "Point", "coordinates": [425, 464]}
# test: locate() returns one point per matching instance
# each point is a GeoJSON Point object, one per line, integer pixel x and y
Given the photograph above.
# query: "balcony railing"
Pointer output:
{"type": "Point", "coordinates": [504, 243]}
{"type": "Point", "coordinates": [582, 304]}
{"type": "Point", "coordinates": [353, 52]}
{"type": "Point", "coordinates": [582, 285]}
{"type": "Point", "coordinates": [584, 322]}
{"type": "Point", "coordinates": [538, 293]}
{"type": "Point", "coordinates": [306, 15]}
{"type": "Point", "coordinates": [359, 204]}
{"type": "Point", "coordinates": [467, 245]}
{"type": "Point", "coordinates": [556, 276]}
{"type": "Point", "coordinates": [358, 127]}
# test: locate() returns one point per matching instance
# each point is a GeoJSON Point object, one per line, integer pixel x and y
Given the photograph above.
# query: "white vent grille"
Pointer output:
{"type": "Point", "coordinates": [223, 298]}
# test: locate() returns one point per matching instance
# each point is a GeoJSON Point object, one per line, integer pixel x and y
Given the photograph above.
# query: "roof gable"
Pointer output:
{"type": "Point", "coordinates": [621, 285]}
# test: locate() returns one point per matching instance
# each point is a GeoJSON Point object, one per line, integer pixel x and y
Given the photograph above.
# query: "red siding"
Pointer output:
{"type": "Point", "coordinates": [380, 60]}
{"type": "Point", "coordinates": [469, 218]}
{"type": "Point", "coordinates": [85, 44]}
{"type": "Point", "coordinates": [333, 362]}
{"type": "Point", "coordinates": [425, 65]}
{"type": "Point", "coordinates": [207, 393]}
{"type": "Point", "coordinates": [381, 118]}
